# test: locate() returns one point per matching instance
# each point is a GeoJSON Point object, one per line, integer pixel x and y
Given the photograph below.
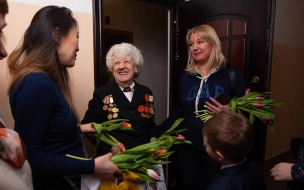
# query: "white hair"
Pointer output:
{"type": "Point", "coordinates": [123, 50]}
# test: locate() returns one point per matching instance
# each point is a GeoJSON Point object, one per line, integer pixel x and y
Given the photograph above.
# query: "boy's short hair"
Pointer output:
{"type": "Point", "coordinates": [231, 134]}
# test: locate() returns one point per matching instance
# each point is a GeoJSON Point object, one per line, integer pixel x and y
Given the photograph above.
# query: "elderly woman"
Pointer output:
{"type": "Point", "coordinates": [123, 98]}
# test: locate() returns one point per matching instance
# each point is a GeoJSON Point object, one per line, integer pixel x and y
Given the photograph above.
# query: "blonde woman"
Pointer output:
{"type": "Point", "coordinates": [205, 77]}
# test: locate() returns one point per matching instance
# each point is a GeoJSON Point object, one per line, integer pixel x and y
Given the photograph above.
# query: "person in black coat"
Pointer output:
{"type": "Point", "coordinates": [123, 98]}
{"type": "Point", "coordinates": [228, 138]}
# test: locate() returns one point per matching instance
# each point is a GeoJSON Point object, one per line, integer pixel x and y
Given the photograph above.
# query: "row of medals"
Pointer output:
{"type": "Point", "coordinates": [113, 111]}
{"type": "Point", "coordinates": [151, 110]}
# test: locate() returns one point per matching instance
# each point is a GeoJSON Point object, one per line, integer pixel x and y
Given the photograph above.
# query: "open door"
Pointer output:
{"type": "Point", "coordinates": [245, 29]}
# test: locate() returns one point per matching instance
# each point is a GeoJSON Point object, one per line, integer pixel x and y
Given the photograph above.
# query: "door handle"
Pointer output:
{"type": "Point", "coordinates": [255, 80]}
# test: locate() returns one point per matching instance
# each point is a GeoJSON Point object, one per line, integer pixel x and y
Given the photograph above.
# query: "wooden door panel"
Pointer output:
{"type": "Point", "coordinates": [237, 56]}
{"type": "Point", "coordinates": [232, 33]}
{"type": "Point", "coordinates": [220, 26]}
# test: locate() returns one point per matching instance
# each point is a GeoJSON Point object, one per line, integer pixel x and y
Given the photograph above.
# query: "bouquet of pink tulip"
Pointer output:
{"type": "Point", "coordinates": [140, 160]}
{"type": "Point", "coordinates": [256, 104]}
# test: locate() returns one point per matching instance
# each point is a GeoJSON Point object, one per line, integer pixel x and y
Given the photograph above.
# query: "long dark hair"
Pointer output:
{"type": "Point", "coordinates": [3, 6]}
{"type": "Point", "coordinates": [37, 52]}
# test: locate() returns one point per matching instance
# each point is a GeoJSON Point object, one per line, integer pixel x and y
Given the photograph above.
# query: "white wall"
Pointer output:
{"type": "Point", "coordinates": [287, 75]}
{"type": "Point", "coordinates": [83, 6]}
{"type": "Point", "coordinates": [18, 19]}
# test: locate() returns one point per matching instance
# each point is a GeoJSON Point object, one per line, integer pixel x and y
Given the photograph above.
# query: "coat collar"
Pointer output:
{"type": "Point", "coordinates": [120, 98]}
{"type": "Point", "coordinates": [231, 171]}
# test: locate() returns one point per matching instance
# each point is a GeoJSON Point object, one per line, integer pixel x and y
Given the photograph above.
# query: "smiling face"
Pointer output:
{"type": "Point", "coordinates": [124, 70]}
{"type": "Point", "coordinates": [200, 49]}
{"type": "Point", "coordinates": [3, 52]}
{"type": "Point", "coordinates": [68, 48]}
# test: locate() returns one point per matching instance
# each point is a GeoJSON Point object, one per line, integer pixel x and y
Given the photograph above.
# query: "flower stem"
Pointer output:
{"type": "Point", "coordinates": [76, 157]}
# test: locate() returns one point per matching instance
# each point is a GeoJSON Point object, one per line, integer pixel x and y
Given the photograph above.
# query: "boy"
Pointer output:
{"type": "Point", "coordinates": [228, 138]}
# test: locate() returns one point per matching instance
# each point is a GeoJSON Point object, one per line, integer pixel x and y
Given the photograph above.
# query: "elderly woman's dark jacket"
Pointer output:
{"type": "Point", "coordinates": [143, 127]}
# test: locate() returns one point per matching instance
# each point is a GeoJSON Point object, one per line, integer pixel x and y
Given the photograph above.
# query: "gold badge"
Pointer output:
{"type": "Point", "coordinates": [115, 110]}
{"type": "Point", "coordinates": [105, 107]}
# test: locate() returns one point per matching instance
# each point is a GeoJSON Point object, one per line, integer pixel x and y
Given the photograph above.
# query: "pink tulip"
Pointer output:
{"type": "Point", "coordinates": [259, 98]}
{"type": "Point", "coordinates": [180, 137]}
{"type": "Point", "coordinates": [159, 152]}
{"type": "Point", "coordinates": [257, 105]}
{"type": "Point", "coordinates": [247, 90]}
{"type": "Point", "coordinates": [153, 174]}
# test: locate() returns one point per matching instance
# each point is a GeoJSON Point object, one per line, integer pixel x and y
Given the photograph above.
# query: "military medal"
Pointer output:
{"type": "Point", "coordinates": [147, 110]}
{"type": "Point", "coordinates": [114, 110]}
{"type": "Point", "coordinates": [105, 107]}
{"type": "Point", "coordinates": [140, 108]}
{"type": "Point", "coordinates": [106, 100]}
{"type": "Point", "coordinates": [111, 99]}
{"type": "Point", "coordinates": [110, 107]}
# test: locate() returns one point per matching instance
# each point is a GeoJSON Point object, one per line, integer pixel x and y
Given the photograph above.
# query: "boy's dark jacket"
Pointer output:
{"type": "Point", "coordinates": [245, 176]}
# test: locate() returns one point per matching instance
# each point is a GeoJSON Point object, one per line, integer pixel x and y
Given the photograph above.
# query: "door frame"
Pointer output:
{"type": "Point", "coordinates": [97, 37]}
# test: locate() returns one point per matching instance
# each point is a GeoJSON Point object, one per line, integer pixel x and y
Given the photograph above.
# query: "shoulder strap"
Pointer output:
{"type": "Point", "coordinates": [232, 80]}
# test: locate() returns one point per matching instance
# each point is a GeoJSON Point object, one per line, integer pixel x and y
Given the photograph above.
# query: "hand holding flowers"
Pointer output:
{"type": "Point", "coordinates": [142, 161]}
{"type": "Point", "coordinates": [256, 104]}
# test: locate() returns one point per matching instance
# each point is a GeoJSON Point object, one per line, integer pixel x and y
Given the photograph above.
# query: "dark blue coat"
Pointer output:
{"type": "Point", "coordinates": [48, 128]}
{"type": "Point", "coordinates": [143, 128]}
{"type": "Point", "coordinates": [189, 86]}
{"type": "Point", "coordinates": [245, 176]}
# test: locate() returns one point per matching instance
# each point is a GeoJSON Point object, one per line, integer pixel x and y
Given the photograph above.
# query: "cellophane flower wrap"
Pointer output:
{"type": "Point", "coordinates": [255, 104]}
{"type": "Point", "coordinates": [140, 163]}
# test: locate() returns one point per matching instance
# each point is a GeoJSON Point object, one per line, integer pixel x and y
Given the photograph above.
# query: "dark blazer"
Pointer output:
{"type": "Point", "coordinates": [245, 176]}
{"type": "Point", "coordinates": [143, 127]}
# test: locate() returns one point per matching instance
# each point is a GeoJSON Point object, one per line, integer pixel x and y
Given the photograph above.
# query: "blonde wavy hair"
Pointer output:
{"type": "Point", "coordinates": [216, 58]}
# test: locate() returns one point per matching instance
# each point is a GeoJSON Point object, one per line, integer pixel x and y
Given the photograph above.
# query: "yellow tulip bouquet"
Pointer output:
{"type": "Point", "coordinates": [140, 160]}
{"type": "Point", "coordinates": [256, 104]}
